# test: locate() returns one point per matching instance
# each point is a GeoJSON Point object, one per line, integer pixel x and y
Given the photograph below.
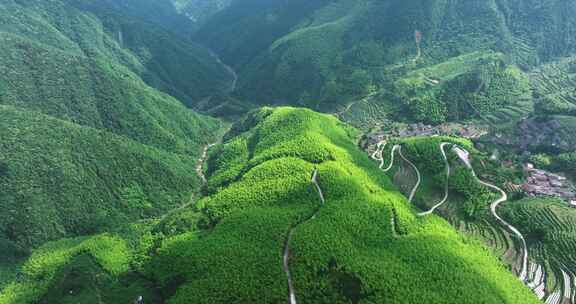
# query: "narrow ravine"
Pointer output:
{"type": "Point", "coordinates": [286, 255]}
{"type": "Point", "coordinates": [465, 158]}
{"type": "Point", "coordinates": [233, 83]}
{"type": "Point", "coordinates": [201, 161]}
{"type": "Point", "coordinates": [200, 172]}
{"type": "Point", "coordinates": [445, 198]}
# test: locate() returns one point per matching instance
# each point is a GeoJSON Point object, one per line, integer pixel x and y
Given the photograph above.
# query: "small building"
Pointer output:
{"type": "Point", "coordinates": [573, 203]}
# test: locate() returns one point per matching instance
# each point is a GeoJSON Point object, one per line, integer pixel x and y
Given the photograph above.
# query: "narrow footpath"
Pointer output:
{"type": "Point", "coordinates": [286, 255]}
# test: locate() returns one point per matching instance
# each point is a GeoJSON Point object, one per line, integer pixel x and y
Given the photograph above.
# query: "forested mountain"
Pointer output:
{"type": "Point", "coordinates": [83, 136]}
{"type": "Point", "coordinates": [200, 11]}
{"type": "Point", "coordinates": [60, 179]}
{"type": "Point", "coordinates": [419, 60]}
{"type": "Point", "coordinates": [168, 151]}
{"type": "Point", "coordinates": [293, 181]}
{"type": "Point", "coordinates": [159, 12]}
{"type": "Point", "coordinates": [94, 32]}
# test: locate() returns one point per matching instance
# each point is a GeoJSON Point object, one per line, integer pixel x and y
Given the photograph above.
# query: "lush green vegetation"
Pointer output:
{"type": "Point", "coordinates": [200, 11]}
{"type": "Point", "coordinates": [330, 54]}
{"type": "Point", "coordinates": [80, 59]}
{"type": "Point", "coordinates": [87, 144]}
{"type": "Point", "coordinates": [43, 266]}
{"type": "Point", "coordinates": [554, 85]}
{"type": "Point", "coordinates": [563, 162]}
{"type": "Point", "coordinates": [60, 179]}
{"type": "Point", "coordinates": [365, 243]}
{"type": "Point", "coordinates": [548, 225]}
{"type": "Point", "coordinates": [99, 195]}
{"type": "Point", "coordinates": [424, 152]}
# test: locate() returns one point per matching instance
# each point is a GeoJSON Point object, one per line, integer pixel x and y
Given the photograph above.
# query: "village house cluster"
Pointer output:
{"type": "Point", "coordinates": [544, 183]}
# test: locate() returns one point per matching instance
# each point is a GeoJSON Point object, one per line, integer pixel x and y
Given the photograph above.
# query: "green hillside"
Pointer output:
{"type": "Point", "coordinates": [209, 151]}
{"type": "Point", "coordinates": [364, 243]}
{"type": "Point", "coordinates": [60, 179]}
{"type": "Point", "coordinates": [346, 55]}
{"type": "Point", "coordinates": [163, 13]}
{"type": "Point", "coordinates": [87, 144]}
{"type": "Point", "coordinates": [47, 44]}
{"type": "Point", "coordinates": [200, 11]}
{"type": "Point", "coordinates": [549, 227]}
{"type": "Point", "coordinates": [545, 223]}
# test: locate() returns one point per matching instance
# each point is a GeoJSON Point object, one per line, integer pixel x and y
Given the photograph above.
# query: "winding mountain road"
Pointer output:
{"type": "Point", "coordinates": [286, 255]}
{"type": "Point", "coordinates": [418, 175]}
{"type": "Point", "coordinates": [445, 198]}
{"type": "Point", "coordinates": [377, 155]}
{"type": "Point", "coordinates": [465, 157]}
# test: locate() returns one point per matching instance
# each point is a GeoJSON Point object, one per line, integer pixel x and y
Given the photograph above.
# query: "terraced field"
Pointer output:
{"type": "Point", "coordinates": [554, 85]}
{"type": "Point", "coordinates": [476, 86]}
{"type": "Point", "coordinates": [551, 235]}
{"type": "Point", "coordinates": [367, 112]}
{"type": "Point", "coordinates": [546, 225]}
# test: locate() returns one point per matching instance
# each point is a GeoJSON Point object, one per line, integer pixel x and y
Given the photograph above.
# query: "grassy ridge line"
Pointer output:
{"type": "Point", "coordinates": [350, 243]}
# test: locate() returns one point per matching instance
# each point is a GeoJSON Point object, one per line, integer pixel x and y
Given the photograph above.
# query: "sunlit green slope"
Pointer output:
{"type": "Point", "coordinates": [365, 244]}
{"type": "Point", "coordinates": [86, 142]}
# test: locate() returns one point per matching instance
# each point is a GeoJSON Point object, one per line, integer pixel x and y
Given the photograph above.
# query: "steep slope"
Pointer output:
{"type": "Point", "coordinates": [159, 12]}
{"type": "Point", "coordinates": [291, 199]}
{"type": "Point", "coordinates": [41, 34]}
{"type": "Point", "coordinates": [534, 236]}
{"type": "Point", "coordinates": [84, 138]}
{"type": "Point", "coordinates": [60, 179]}
{"type": "Point", "coordinates": [548, 225]}
{"type": "Point", "coordinates": [200, 11]}
{"type": "Point", "coordinates": [245, 28]}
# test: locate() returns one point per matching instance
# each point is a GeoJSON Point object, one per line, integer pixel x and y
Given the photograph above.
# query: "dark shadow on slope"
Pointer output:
{"type": "Point", "coordinates": [84, 281]}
